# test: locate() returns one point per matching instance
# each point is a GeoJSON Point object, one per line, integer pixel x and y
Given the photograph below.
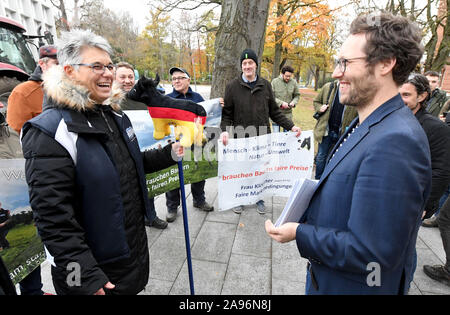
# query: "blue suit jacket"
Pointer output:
{"type": "Point", "coordinates": [368, 204]}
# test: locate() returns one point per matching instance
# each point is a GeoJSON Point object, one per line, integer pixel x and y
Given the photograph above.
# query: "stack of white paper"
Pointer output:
{"type": "Point", "coordinates": [298, 201]}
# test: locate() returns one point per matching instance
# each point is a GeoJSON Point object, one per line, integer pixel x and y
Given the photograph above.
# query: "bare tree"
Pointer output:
{"type": "Point", "coordinates": [62, 23]}
{"type": "Point", "coordinates": [437, 48]}
{"type": "Point", "coordinates": [169, 5]}
{"type": "Point", "coordinates": [118, 29]}
{"type": "Point", "coordinates": [242, 25]}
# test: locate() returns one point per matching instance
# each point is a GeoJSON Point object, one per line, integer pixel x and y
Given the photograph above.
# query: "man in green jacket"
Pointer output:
{"type": "Point", "coordinates": [333, 119]}
{"type": "Point", "coordinates": [286, 92]}
{"type": "Point", "coordinates": [438, 97]}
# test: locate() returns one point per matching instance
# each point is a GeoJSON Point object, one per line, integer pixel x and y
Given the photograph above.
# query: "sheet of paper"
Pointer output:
{"type": "Point", "coordinates": [298, 201]}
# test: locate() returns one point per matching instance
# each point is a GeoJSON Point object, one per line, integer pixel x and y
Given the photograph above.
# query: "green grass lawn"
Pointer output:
{"type": "Point", "coordinates": [304, 111]}
{"type": "Point", "coordinates": [26, 251]}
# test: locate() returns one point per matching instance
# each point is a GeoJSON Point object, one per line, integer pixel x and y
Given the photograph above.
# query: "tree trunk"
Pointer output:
{"type": "Point", "coordinates": [278, 42]}
{"type": "Point", "coordinates": [316, 78]}
{"type": "Point", "coordinates": [242, 25]}
{"type": "Point", "coordinates": [441, 57]}
{"type": "Point", "coordinates": [64, 22]}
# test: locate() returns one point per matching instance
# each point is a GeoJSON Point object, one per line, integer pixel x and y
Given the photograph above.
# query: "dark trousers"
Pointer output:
{"type": "Point", "coordinates": [442, 200]}
{"type": "Point", "coordinates": [444, 228]}
{"type": "Point", "coordinates": [3, 241]}
{"type": "Point", "coordinates": [152, 214]}
{"type": "Point", "coordinates": [325, 146]}
{"type": "Point", "coordinates": [173, 196]}
{"type": "Point", "coordinates": [32, 284]}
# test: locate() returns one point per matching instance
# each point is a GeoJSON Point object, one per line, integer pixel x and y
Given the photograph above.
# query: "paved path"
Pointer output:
{"type": "Point", "coordinates": [231, 254]}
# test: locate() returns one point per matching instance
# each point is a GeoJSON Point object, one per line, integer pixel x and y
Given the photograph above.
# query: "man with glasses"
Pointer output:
{"type": "Point", "coordinates": [360, 228]}
{"type": "Point", "coordinates": [86, 174]}
{"type": "Point", "coordinates": [181, 90]}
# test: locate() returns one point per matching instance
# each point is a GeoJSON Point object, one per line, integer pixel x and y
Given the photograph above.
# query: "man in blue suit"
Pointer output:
{"type": "Point", "coordinates": [359, 231]}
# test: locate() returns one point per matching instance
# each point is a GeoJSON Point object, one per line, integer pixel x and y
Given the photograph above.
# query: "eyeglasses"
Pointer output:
{"type": "Point", "coordinates": [98, 68]}
{"type": "Point", "coordinates": [179, 78]}
{"type": "Point", "coordinates": [342, 62]}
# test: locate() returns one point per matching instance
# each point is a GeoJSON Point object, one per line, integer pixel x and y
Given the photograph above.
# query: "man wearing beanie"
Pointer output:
{"type": "Point", "coordinates": [249, 102]}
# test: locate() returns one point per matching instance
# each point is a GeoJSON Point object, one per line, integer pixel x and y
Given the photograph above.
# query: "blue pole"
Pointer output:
{"type": "Point", "coordinates": [186, 227]}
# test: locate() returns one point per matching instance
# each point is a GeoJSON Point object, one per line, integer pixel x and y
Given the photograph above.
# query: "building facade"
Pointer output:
{"type": "Point", "coordinates": [32, 14]}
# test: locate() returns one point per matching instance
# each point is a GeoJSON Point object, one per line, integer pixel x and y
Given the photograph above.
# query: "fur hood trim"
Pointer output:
{"type": "Point", "coordinates": [66, 93]}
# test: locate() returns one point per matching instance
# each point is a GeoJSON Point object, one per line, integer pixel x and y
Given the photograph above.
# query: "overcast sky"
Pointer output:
{"type": "Point", "coordinates": [138, 9]}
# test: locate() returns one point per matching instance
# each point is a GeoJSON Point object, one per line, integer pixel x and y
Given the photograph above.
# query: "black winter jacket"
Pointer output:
{"type": "Point", "coordinates": [438, 134]}
{"type": "Point", "coordinates": [247, 107]}
{"type": "Point", "coordinates": [86, 178]}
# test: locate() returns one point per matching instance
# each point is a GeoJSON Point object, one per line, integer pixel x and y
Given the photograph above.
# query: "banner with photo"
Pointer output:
{"type": "Point", "coordinates": [21, 248]}
{"type": "Point", "coordinates": [199, 163]}
{"type": "Point", "coordinates": [251, 169]}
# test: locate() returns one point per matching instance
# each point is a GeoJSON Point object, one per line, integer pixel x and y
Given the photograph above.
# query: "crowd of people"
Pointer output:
{"type": "Point", "coordinates": [383, 161]}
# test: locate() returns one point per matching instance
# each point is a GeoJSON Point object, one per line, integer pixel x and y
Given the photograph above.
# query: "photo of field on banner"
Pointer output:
{"type": "Point", "coordinates": [21, 248]}
{"type": "Point", "coordinates": [199, 162]}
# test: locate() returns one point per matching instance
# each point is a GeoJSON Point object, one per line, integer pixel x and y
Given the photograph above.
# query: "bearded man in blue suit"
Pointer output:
{"type": "Point", "coordinates": [360, 229]}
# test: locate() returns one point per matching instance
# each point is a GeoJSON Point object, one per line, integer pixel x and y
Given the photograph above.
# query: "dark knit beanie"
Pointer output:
{"type": "Point", "coordinates": [249, 54]}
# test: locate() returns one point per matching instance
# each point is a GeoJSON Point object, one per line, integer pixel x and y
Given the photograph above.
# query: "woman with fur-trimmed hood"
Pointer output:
{"type": "Point", "coordinates": [86, 174]}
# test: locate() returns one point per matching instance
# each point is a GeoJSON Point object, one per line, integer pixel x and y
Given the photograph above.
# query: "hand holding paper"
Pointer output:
{"type": "Point", "coordinates": [282, 234]}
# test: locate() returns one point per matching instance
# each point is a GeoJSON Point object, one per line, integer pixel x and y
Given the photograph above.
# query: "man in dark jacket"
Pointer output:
{"type": "Point", "coordinates": [415, 93]}
{"type": "Point", "coordinates": [437, 97]}
{"type": "Point", "coordinates": [86, 174]}
{"type": "Point", "coordinates": [360, 228]}
{"type": "Point", "coordinates": [181, 90]}
{"type": "Point", "coordinates": [125, 78]}
{"type": "Point", "coordinates": [249, 103]}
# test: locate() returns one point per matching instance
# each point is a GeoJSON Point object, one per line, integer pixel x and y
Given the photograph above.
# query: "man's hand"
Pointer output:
{"type": "Point", "coordinates": [284, 105]}
{"type": "Point", "coordinates": [297, 130]}
{"type": "Point", "coordinates": [177, 151]}
{"type": "Point", "coordinates": [292, 104]}
{"type": "Point", "coordinates": [222, 102]}
{"type": "Point", "coordinates": [323, 108]}
{"type": "Point", "coordinates": [108, 286]}
{"type": "Point", "coordinates": [224, 136]}
{"type": "Point", "coordinates": [283, 234]}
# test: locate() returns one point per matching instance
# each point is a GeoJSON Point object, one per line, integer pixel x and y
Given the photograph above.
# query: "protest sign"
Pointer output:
{"type": "Point", "coordinates": [251, 169]}
{"type": "Point", "coordinates": [198, 164]}
{"type": "Point", "coordinates": [22, 250]}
